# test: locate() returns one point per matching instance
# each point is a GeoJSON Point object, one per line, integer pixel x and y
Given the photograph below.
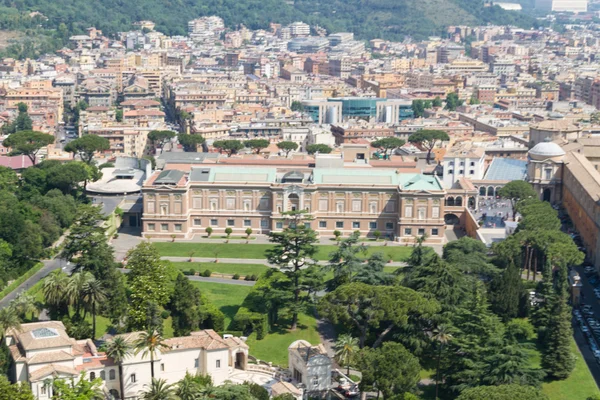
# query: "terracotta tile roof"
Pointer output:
{"type": "Point", "coordinates": [16, 162]}
{"type": "Point", "coordinates": [97, 108]}
{"type": "Point", "coordinates": [51, 370]}
{"type": "Point", "coordinates": [16, 354]}
{"type": "Point", "coordinates": [141, 113]}
{"type": "Point", "coordinates": [284, 387]}
{"type": "Point", "coordinates": [206, 339]}
{"type": "Point", "coordinates": [141, 103]}
{"type": "Point", "coordinates": [466, 183]}
{"type": "Point", "coordinates": [101, 361]}
{"type": "Point", "coordinates": [50, 357]}
{"type": "Point", "coordinates": [26, 339]}
{"type": "Point", "coordinates": [236, 342]}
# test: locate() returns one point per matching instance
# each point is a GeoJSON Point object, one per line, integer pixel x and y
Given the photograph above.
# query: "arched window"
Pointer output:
{"type": "Point", "coordinates": [111, 374]}
{"type": "Point", "coordinates": [482, 191]}
{"type": "Point", "coordinates": [450, 202]}
{"type": "Point", "coordinates": [92, 376]}
{"type": "Point", "coordinates": [490, 191]}
{"type": "Point", "coordinates": [103, 375]}
{"type": "Point", "coordinates": [458, 201]}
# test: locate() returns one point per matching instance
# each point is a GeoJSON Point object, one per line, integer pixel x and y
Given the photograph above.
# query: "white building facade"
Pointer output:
{"type": "Point", "coordinates": [42, 351]}
{"type": "Point", "coordinates": [459, 163]}
{"type": "Point", "coordinates": [310, 365]}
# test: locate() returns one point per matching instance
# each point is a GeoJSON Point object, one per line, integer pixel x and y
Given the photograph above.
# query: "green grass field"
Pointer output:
{"type": "Point", "coordinates": [227, 297]}
{"type": "Point", "coordinates": [274, 346]}
{"type": "Point", "coordinates": [257, 251]}
{"type": "Point", "coordinates": [580, 385]}
{"type": "Point", "coordinates": [223, 268]}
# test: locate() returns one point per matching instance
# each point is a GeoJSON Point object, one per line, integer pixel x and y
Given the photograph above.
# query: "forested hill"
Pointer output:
{"type": "Point", "coordinates": [390, 19]}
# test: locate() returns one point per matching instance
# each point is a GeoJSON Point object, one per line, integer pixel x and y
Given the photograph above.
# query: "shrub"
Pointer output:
{"type": "Point", "coordinates": [207, 273]}
{"type": "Point", "coordinates": [165, 314]}
{"type": "Point", "coordinates": [259, 392]}
{"type": "Point", "coordinates": [106, 165]}
{"type": "Point", "coordinates": [215, 319]}
{"type": "Point", "coordinates": [248, 278]}
{"type": "Point", "coordinates": [236, 276]}
{"type": "Point", "coordinates": [248, 322]}
{"type": "Point", "coordinates": [254, 277]}
{"type": "Point", "coordinates": [189, 272]}
{"type": "Point", "coordinates": [208, 231]}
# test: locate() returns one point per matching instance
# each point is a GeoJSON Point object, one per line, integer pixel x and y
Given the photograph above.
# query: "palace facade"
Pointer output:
{"type": "Point", "coordinates": [401, 206]}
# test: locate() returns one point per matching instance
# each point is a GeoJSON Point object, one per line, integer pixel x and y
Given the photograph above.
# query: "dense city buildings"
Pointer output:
{"type": "Point", "coordinates": [227, 129]}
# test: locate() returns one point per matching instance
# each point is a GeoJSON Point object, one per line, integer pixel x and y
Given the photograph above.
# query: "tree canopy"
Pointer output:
{"type": "Point", "coordinates": [318, 148]}
{"type": "Point", "coordinates": [503, 392]}
{"type": "Point", "coordinates": [387, 145]}
{"type": "Point", "coordinates": [228, 146]}
{"type": "Point", "coordinates": [516, 191]}
{"type": "Point", "coordinates": [428, 138]}
{"type": "Point", "coordinates": [28, 143]}
{"type": "Point", "coordinates": [287, 147]}
{"type": "Point", "coordinates": [190, 142]}
{"type": "Point", "coordinates": [162, 137]}
{"type": "Point", "coordinates": [257, 144]}
{"type": "Point", "coordinates": [86, 146]}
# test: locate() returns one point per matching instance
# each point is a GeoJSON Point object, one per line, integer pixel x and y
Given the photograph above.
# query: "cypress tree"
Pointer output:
{"type": "Point", "coordinates": [557, 359]}
{"type": "Point", "coordinates": [505, 293]}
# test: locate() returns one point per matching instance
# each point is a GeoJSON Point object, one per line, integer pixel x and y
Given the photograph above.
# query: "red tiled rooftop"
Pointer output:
{"type": "Point", "coordinates": [16, 162]}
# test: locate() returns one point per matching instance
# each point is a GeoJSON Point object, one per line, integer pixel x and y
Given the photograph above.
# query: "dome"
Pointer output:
{"type": "Point", "coordinates": [546, 149]}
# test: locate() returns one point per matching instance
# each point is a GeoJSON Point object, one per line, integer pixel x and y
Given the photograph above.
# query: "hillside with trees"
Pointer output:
{"type": "Point", "coordinates": [367, 19]}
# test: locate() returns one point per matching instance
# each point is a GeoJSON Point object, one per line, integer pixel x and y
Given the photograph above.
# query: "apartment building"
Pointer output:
{"type": "Point", "coordinates": [125, 139]}
{"type": "Point", "coordinates": [36, 92]}
{"type": "Point", "coordinates": [463, 161]}
{"type": "Point", "coordinates": [43, 350]}
{"type": "Point", "coordinates": [350, 132]}
{"type": "Point", "coordinates": [401, 206]}
{"type": "Point", "coordinates": [299, 29]}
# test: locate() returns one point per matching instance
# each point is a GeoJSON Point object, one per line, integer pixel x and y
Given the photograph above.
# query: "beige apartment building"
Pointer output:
{"type": "Point", "coordinates": [36, 92]}
{"type": "Point", "coordinates": [125, 140]}
{"type": "Point", "coordinates": [400, 206]}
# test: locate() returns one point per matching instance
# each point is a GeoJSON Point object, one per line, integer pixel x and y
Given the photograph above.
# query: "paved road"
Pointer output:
{"type": "Point", "coordinates": [49, 266]}
{"type": "Point", "coordinates": [224, 281]}
{"type": "Point", "coordinates": [252, 261]}
{"type": "Point", "coordinates": [588, 298]}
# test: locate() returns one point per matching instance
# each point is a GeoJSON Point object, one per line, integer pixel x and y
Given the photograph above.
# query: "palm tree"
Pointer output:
{"type": "Point", "coordinates": [55, 288]}
{"type": "Point", "coordinates": [119, 349]}
{"type": "Point", "coordinates": [346, 348]}
{"type": "Point", "coordinates": [23, 304]}
{"type": "Point", "coordinates": [93, 295]}
{"type": "Point", "coordinates": [188, 388]}
{"type": "Point", "coordinates": [75, 288]}
{"type": "Point", "coordinates": [442, 336]}
{"type": "Point", "coordinates": [148, 343]}
{"type": "Point", "coordinates": [159, 390]}
{"type": "Point", "coordinates": [8, 320]}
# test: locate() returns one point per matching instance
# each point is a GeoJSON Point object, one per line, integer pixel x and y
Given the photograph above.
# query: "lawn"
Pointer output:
{"type": "Point", "coordinates": [257, 251]}
{"type": "Point", "coordinates": [578, 386]}
{"type": "Point", "coordinates": [274, 346]}
{"type": "Point", "coordinates": [223, 268]}
{"type": "Point", "coordinates": [227, 297]}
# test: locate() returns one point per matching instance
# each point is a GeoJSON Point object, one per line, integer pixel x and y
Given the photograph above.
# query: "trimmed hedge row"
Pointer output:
{"type": "Point", "coordinates": [17, 282]}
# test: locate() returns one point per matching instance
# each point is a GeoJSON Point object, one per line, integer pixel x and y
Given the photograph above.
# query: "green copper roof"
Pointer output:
{"type": "Point", "coordinates": [419, 182]}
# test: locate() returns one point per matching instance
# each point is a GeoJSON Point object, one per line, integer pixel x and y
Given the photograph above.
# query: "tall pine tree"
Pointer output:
{"type": "Point", "coordinates": [505, 293]}
{"type": "Point", "coordinates": [557, 359]}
